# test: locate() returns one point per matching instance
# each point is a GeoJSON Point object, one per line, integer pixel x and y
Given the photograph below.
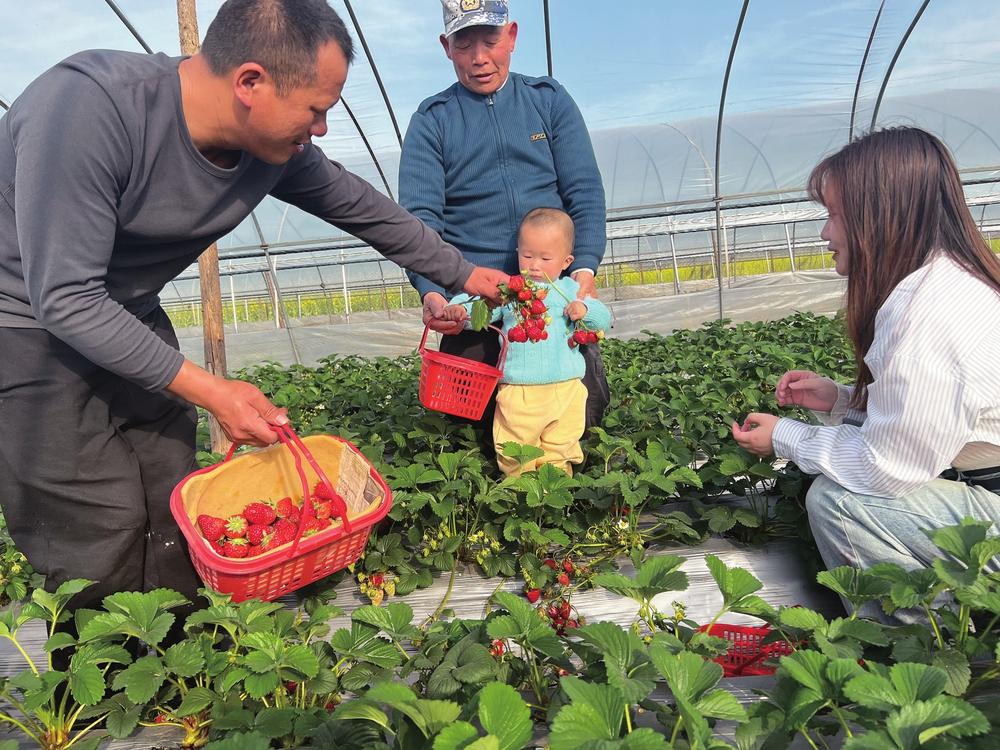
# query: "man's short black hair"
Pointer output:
{"type": "Point", "coordinates": [283, 36]}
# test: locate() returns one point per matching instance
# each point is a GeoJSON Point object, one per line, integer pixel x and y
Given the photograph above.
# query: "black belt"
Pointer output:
{"type": "Point", "coordinates": [988, 478]}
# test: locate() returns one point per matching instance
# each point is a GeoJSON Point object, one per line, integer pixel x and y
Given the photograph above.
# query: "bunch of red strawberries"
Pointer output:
{"type": "Point", "coordinates": [265, 525]}
{"type": "Point", "coordinates": [527, 299]}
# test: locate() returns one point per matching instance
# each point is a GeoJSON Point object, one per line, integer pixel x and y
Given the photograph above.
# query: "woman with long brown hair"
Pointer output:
{"type": "Point", "coordinates": [923, 313]}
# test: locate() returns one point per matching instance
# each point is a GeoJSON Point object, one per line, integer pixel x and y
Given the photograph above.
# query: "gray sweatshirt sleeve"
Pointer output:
{"type": "Point", "coordinates": [73, 158]}
{"type": "Point", "coordinates": [324, 188]}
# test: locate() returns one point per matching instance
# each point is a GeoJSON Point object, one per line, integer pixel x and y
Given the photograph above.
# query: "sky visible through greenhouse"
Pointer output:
{"type": "Point", "coordinates": [646, 75]}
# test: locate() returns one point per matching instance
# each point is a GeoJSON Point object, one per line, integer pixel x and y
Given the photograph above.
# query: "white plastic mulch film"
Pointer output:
{"type": "Point", "coordinates": [648, 78]}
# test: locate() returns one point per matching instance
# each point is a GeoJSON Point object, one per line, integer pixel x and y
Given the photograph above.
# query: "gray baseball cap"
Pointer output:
{"type": "Point", "coordinates": [459, 14]}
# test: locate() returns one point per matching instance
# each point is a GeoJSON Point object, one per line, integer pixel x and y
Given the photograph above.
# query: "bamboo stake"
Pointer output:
{"type": "Point", "coordinates": [208, 261]}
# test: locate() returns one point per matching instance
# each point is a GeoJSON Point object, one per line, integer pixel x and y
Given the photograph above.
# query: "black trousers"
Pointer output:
{"type": "Point", "coordinates": [87, 464]}
{"type": "Point", "coordinates": [484, 346]}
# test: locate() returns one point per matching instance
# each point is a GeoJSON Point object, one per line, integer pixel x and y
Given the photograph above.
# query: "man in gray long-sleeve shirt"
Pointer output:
{"type": "Point", "coordinates": [116, 171]}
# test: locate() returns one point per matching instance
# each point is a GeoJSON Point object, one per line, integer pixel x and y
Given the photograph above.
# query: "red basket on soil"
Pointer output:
{"type": "Point", "coordinates": [225, 489]}
{"type": "Point", "coordinates": [746, 655]}
{"type": "Point", "coordinates": [456, 385]}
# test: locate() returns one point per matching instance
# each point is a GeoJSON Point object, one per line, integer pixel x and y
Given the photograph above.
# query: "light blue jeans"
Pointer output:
{"type": "Point", "coordinates": [861, 530]}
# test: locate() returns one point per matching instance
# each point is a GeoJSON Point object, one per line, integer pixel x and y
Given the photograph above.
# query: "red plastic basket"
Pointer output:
{"type": "Point", "coordinates": [225, 488]}
{"type": "Point", "coordinates": [456, 385]}
{"type": "Point", "coordinates": [746, 655]}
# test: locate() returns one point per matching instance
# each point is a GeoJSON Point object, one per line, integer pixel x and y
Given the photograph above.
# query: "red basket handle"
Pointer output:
{"type": "Point", "coordinates": [501, 360]}
{"type": "Point", "coordinates": [287, 436]}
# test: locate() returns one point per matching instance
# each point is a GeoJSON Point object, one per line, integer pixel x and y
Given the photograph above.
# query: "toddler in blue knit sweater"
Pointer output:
{"type": "Point", "coordinates": [541, 400]}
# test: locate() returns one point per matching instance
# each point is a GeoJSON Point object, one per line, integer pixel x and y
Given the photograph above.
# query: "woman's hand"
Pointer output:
{"type": "Point", "coordinates": [755, 433]}
{"type": "Point", "coordinates": [806, 389]}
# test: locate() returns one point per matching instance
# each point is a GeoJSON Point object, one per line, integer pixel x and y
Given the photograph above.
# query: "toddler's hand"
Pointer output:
{"type": "Point", "coordinates": [575, 310]}
{"type": "Point", "coordinates": [455, 313]}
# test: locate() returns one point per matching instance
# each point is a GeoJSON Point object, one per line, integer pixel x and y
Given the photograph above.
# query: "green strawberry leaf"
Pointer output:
{"type": "Point", "coordinates": [504, 714]}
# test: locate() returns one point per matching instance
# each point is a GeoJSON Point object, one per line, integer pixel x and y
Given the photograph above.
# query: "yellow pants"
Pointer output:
{"type": "Point", "coordinates": [549, 416]}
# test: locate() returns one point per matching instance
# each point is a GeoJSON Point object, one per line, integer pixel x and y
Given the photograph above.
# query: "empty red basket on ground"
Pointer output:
{"type": "Point", "coordinates": [746, 655]}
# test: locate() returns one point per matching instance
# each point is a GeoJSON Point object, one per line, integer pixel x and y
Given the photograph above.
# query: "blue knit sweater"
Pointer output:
{"type": "Point", "coordinates": [551, 360]}
{"type": "Point", "coordinates": [472, 166]}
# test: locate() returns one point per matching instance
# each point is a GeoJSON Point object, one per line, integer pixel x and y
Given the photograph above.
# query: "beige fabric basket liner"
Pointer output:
{"type": "Point", "coordinates": [270, 474]}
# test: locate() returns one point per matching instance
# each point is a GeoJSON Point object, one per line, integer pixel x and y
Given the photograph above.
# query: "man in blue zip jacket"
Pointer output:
{"type": "Point", "coordinates": [484, 152]}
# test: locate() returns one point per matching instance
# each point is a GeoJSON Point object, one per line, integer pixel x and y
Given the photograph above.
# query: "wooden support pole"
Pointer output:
{"type": "Point", "coordinates": [208, 261]}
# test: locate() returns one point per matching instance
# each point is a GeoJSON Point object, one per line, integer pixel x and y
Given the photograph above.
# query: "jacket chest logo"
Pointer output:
{"type": "Point", "coordinates": [537, 137]}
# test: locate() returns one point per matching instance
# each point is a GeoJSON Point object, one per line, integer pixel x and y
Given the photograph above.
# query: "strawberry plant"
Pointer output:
{"type": "Point", "coordinates": [59, 709]}
{"type": "Point", "coordinates": [17, 577]}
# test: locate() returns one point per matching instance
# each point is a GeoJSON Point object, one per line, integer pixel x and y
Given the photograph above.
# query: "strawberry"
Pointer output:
{"type": "Point", "coordinates": [284, 531]}
{"type": "Point", "coordinates": [580, 337]}
{"type": "Point", "coordinates": [285, 507]}
{"type": "Point", "coordinates": [524, 295]}
{"type": "Point", "coordinates": [572, 343]}
{"type": "Point", "coordinates": [321, 492]}
{"type": "Point", "coordinates": [571, 624]}
{"type": "Point", "coordinates": [313, 526]}
{"type": "Point", "coordinates": [236, 527]}
{"type": "Point", "coordinates": [217, 546]}
{"type": "Point", "coordinates": [563, 579]}
{"type": "Point", "coordinates": [538, 307]}
{"type": "Point", "coordinates": [377, 579]}
{"type": "Point", "coordinates": [532, 595]}
{"type": "Point", "coordinates": [543, 335]}
{"type": "Point", "coordinates": [541, 293]}
{"type": "Point", "coordinates": [259, 513]}
{"type": "Point", "coordinates": [212, 528]}
{"type": "Point", "coordinates": [161, 718]}
{"type": "Point", "coordinates": [235, 548]}
{"type": "Point", "coordinates": [564, 609]}
{"type": "Point", "coordinates": [322, 509]}
{"type": "Point", "coordinates": [517, 334]}
{"type": "Point", "coordinates": [254, 549]}
{"type": "Point", "coordinates": [567, 566]}
{"type": "Point", "coordinates": [497, 648]}
{"type": "Point", "coordinates": [257, 532]}
{"type": "Point", "coordinates": [549, 563]}
{"type": "Point", "coordinates": [515, 283]}
{"type": "Point", "coordinates": [525, 312]}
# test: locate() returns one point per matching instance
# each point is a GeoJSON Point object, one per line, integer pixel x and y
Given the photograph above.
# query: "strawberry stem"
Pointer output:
{"type": "Point", "coordinates": [552, 283]}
